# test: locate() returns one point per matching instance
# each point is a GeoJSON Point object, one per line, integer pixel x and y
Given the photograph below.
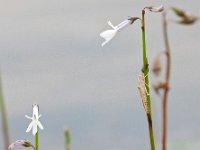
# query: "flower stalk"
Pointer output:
{"type": "Point", "coordinates": [4, 119]}
{"type": "Point", "coordinates": [37, 141]}
{"type": "Point", "coordinates": [146, 79]}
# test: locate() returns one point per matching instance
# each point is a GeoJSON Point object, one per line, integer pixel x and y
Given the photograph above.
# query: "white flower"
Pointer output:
{"type": "Point", "coordinates": [35, 123]}
{"type": "Point", "coordinates": [110, 34]}
{"type": "Point", "coordinates": [156, 9]}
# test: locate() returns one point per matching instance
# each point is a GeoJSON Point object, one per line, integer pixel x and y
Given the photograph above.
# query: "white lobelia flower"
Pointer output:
{"type": "Point", "coordinates": [35, 123]}
{"type": "Point", "coordinates": [156, 9]}
{"type": "Point", "coordinates": [110, 34]}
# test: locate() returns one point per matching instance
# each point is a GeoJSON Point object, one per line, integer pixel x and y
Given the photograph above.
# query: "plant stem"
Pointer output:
{"type": "Point", "coordinates": [146, 70]}
{"type": "Point", "coordinates": [36, 141]}
{"type": "Point", "coordinates": [4, 119]}
{"type": "Point", "coordinates": [167, 78]}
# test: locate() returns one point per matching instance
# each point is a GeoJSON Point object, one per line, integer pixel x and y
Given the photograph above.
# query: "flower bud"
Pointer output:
{"type": "Point", "coordinates": [24, 143]}
{"type": "Point", "coordinates": [67, 139]}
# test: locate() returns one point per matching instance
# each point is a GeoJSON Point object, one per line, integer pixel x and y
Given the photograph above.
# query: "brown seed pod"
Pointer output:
{"type": "Point", "coordinates": [160, 85]}
{"type": "Point", "coordinates": [157, 67]}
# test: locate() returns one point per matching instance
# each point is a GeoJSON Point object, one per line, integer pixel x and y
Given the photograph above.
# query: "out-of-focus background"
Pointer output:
{"type": "Point", "coordinates": [51, 54]}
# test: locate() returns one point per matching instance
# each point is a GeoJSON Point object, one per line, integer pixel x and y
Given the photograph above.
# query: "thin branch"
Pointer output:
{"type": "Point", "coordinates": [167, 79]}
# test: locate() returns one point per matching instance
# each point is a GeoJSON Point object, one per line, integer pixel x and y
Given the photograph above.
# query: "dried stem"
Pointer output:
{"type": "Point", "coordinates": [4, 119]}
{"type": "Point", "coordinates": [167, 79]}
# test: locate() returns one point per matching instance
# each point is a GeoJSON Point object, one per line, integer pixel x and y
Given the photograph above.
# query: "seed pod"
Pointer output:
{"type": "Point", "coordinates": [157, 67]}
{"type": "Point", "coordinates": [160, 85]}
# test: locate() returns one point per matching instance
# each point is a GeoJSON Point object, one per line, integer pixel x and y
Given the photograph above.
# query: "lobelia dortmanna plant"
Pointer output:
{"type": "Point", "coordinates": [35, 123]}
{"type": "Point", "coordinates": [185, 18]}
{"type": "Point", "coordinates": [143, 79]}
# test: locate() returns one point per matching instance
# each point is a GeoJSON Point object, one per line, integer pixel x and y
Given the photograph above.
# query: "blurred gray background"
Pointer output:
{"type": "Point", "coordinates": [51, 54]}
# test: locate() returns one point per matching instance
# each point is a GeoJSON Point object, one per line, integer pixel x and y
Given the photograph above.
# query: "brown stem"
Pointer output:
{"type": "Point", "coordinates": [167, 78]}
{"type": "Point", "coordinates": [4, 119]}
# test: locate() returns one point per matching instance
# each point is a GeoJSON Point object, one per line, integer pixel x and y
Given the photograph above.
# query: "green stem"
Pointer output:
{"type": "Point", "coordinates": [4, 119]}
{"type": "Point", "coordinates": [36, 141]}
{"type": "Point", "coordinates": [145, 71]}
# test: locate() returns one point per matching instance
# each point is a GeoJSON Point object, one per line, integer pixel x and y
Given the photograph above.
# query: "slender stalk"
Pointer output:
{"type": "Point", "coordinates": [167, 78]}
{"type": "Point", "coordinates": [36, 141]}
{"type": "Point", "coordinates": [4, 119]}
{"type": "Point", "coordinates": [146, 70]}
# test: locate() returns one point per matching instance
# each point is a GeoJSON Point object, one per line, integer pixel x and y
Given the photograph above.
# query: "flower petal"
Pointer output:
{"type": "Point", "coordinates": [40, 125]}
{"type": "Point", "coordinates": [34, 130]}
{"type": "Point", "coordinates": [35, 111]}
{"type": "Point", "coordinates": [108, 35]}
{"type": "Point", "coordinates": [28, 117]}
{"type": "Point", "coordinates": [29, 127]}
{"type": "Point", "coordinates": [123, 24]}
{"type": "Point", "coordinates": [111, 25]}
{"type": "Point", "coordinates": [39, 116]}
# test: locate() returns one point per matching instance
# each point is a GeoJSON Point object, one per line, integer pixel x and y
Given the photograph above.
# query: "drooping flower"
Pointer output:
{"type": "Point", "coordinates": [67, 139]}
{"type": "Point", "coordinates": [35, 123]}
{"type": "Point", "coordinates": [24, 143]}
{"type": "Point", "coordinates": [186, 18]}
{"type": "Point", "coordinates": [110, 34]}
{"type": "Point", "coordinates": [155, 9]}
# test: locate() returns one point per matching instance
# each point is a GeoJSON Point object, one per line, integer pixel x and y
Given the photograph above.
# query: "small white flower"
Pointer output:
{"type": "Point", "coordinates": [156, 9]}
{"type": "Point", "coordinates": [35, 123]}
{"type": "Point", "coordinates": [110, 34]}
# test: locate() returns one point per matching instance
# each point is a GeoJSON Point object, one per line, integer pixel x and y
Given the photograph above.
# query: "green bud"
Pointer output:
{"type": "Point", "coordinates": [67, 139]}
